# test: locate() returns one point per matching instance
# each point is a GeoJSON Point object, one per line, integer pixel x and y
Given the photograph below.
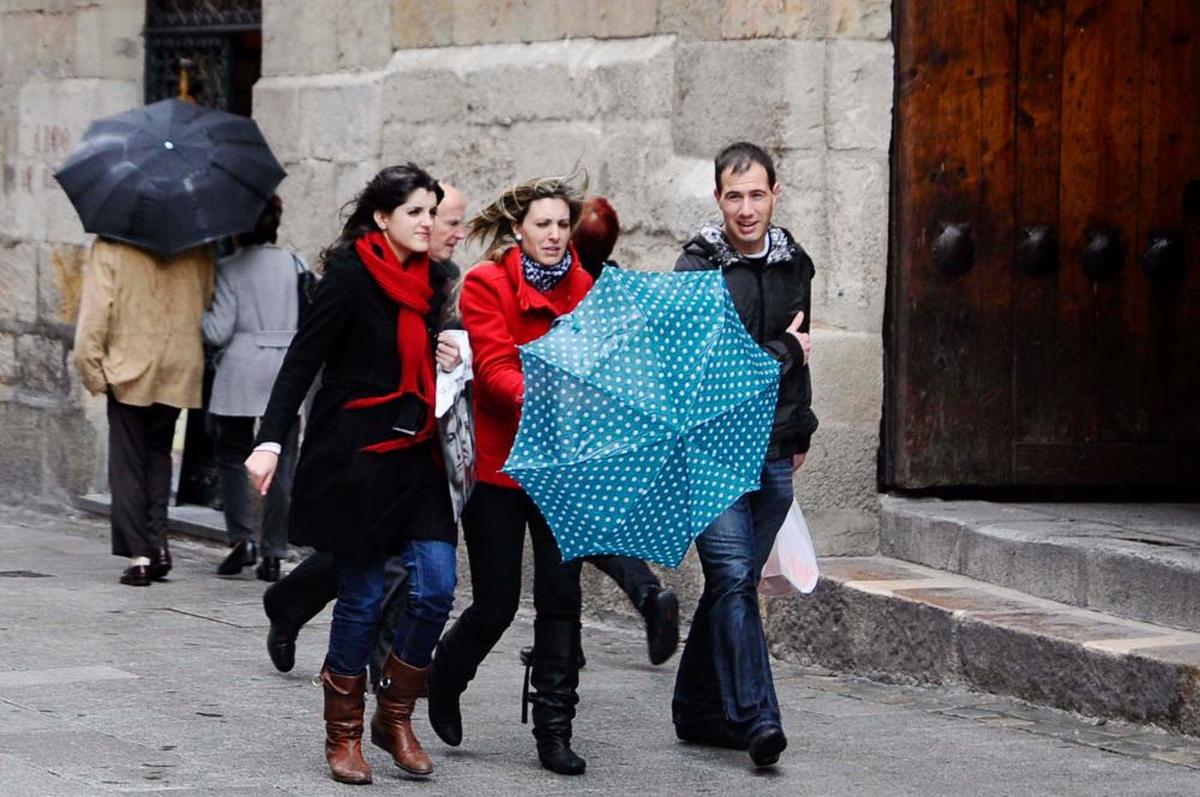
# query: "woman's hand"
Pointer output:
{"type": "Point", "coordinates": [803, 337]}
{"type": "Point", "coordinates": [260, 467]}
{"type": "Point", "coordinates": [447, 355]}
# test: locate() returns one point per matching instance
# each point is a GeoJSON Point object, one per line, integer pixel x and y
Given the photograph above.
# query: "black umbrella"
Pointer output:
{"type": "Point", "coordinates": [170, 175]}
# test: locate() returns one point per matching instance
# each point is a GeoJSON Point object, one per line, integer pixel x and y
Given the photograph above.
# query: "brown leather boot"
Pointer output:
{"type": "Point", "coordinates": [344, 726]}
{"type": "Point", "coordinates": [391, 727]}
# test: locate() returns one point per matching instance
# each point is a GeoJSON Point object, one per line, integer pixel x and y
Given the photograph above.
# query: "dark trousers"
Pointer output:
{"type": "Point", "coordinates": [633, 576]}
{"type": "Point", "coordinates": [139, 475]}
{"type": "Point", "coordinates": [235, 441]}
{"type": "Point", "coordinates": [494, 522]}
{"type": "Point", "coordinates": [311, 585]}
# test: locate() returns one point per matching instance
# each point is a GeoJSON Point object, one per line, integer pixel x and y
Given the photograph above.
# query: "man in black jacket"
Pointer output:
{"type": "Point", "coordinates": [724, 694]}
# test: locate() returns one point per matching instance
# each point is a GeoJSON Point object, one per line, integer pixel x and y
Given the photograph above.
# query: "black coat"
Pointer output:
{"type": "Point", "coordinates": [767, 299]}
{"type": "Point", "coordinates": [343, 499]}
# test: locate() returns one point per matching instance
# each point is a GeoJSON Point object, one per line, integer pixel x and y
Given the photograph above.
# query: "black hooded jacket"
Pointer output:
{"type": "Point", "coordinates": [767, 298]}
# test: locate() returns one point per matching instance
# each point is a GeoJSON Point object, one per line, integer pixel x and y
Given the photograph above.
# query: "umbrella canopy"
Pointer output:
{"type": "Point", "coordinates": [647, 413]}
{"type": "Point", "coordinates": [170, 175]}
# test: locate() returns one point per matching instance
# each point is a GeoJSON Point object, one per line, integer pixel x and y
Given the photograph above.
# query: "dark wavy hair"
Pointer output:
{"type": "Point", "coordinates": [596, 234]}
{"type": "Point", "coordinates": [387, 191]}
{"type": "Point", "coordinates": [266, 229]}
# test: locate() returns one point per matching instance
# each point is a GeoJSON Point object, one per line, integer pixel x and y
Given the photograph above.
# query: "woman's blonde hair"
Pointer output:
{"type": "Point", "coordinates": [493, 224]}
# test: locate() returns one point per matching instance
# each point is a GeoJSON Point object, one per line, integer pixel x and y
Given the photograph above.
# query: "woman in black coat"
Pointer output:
{"type": "Point", "coordinates": [368, 484]}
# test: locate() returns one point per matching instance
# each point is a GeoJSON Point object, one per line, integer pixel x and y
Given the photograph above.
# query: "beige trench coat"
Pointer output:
{"type": "Point", "coordinates": [138, 332]}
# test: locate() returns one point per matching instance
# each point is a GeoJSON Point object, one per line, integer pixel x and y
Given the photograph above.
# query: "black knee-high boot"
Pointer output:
{"type": "Point", "coordinates": [556, 680]}
{"type": "Point", "coordinates": [455, 662]}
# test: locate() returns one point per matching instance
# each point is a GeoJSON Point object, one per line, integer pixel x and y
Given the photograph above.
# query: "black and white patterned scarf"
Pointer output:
{"type": "Point", "coordinates": [544, 278]}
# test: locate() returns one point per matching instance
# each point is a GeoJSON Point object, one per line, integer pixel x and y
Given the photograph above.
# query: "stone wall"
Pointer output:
{"type": "Point", "coordinates": [641, 95]}
{"type": "Point", "coordinates": [62, 64]}
{"type": "Point", "coordinates": [638, 93]}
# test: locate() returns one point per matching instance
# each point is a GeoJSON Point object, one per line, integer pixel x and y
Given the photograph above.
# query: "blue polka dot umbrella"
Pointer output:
{"type": "Point", "coordinates": [647, 414]}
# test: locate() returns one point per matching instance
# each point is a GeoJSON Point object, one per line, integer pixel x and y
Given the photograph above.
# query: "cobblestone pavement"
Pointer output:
{"type": "Point", "coordinates": [108, 689]}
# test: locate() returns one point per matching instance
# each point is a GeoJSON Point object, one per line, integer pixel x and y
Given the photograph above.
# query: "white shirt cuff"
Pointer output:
{"type": "Point", "coordinates": [274, 448]}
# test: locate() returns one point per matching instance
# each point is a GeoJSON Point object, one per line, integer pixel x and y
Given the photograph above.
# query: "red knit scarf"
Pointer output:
{"type": "Point", "coordinates": [409, 287]}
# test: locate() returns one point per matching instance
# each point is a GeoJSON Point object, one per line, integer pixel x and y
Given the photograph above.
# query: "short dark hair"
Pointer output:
{"type": "Point", "coordinates": [741, 156]}
{"type": "Point", "coordinates": [266, 229]}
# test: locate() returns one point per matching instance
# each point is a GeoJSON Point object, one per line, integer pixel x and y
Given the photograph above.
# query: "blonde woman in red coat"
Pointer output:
{"type": "Point", "coordinates": [532, 276]}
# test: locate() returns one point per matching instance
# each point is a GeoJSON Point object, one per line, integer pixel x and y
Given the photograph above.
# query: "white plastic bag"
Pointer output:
{"type": "Point", "coordinates": [792, 565]}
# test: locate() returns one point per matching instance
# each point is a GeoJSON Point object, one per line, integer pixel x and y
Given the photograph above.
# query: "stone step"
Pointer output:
{"type": "Point", "coordinates": [189, 519]}
{"type": "Point", "coordinates": [1139, 561]}
{"type": "Point", "coordinates": [897, 621]}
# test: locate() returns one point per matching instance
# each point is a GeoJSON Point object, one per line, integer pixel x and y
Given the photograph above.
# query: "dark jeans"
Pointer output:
{"type": "Point", "coordinates": [362, 585]}
{"type": "Point", "coordinates": [725, 671]}
{"type": "Point", "coordinates": [235, 441]}
{"type": "Point", "coordinates": [494, 522]}
{"type": "Point", "coordinates": [632, 575]}
{"type": "Point", "coordinates": [139, 474]}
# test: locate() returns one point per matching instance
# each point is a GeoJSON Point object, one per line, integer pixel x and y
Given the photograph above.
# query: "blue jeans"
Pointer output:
{"type": "Point", "coordinates": [725, 671]}
{"type": "Point", "coordinates": [359, 608]}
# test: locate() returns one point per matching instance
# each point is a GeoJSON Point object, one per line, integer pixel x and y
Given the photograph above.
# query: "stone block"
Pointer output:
{"type": "Point", "coordinates": [54, 114]}
{"type": "Point", "coordinates": [277, 111]}
{"type": "Point", "coordinates": [18, 281]}
{"type": "Point", "coordinates": [860, 19]}
{"type": "Point", "coordinates": [60, 283]}
{"type": "Point", "coordinates": [610, 19]}
{"type": "Point", "coordinates": [852, 286]}
{"type": "Point", "coordinates": [422, 24]}
{"type": "Point", "coordinates": [71, 458]}
{"type": "Point", "coordinates": [41, 364]}
{"type": "Point", "coordinates": [859, 101]}
{"type": "Point", "coordinates": [31, 45]}
{"type": "Point", "coordinates": [691, 19]}
{"type": "Point", "coordinates": [341, 116]}
{"type": "Point", "coordinates": [631, 171]}
{"type": "Point", "coordinates": [8, 358]}
{"type": "Point", "coordinates": [768, 92]}
{"type": "Point", "coordinates": [309, 209]}
{"type": "Point", "coordinates": [307, 37]}
{"type": "Point", "coordinates": [847, 376]}
{"type": "Point", "coordinates": [108, 40]}
{"type": "Point", "coordinates": [839, 472]}
{"type": "Point", "coordinates": [773, 19]}
{"type": "Point", "coordinates": [483, 21]}
{"type": "Point", "coordinates": [503, 84]}
{"type": "Point", "coordinates": [801, 207]}
{"type": "Point", "coordinates": [23, 452]}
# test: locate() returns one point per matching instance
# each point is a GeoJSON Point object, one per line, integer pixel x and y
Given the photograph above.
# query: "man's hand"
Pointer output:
{"type": "Point", "coordinates": [804, 338]}
{"type": "Point", "coordinates": [260, 467]}
{"type": "Point", "coordinates": [447, 355]}
{"type": "Point", "coordinates": [798, 460]}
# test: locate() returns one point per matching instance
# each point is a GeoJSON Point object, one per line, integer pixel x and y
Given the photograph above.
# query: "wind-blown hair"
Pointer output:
{"type": "Point", "coordinates": [492, 225]}
{"type": "Point", "coordinates": [387, 191]}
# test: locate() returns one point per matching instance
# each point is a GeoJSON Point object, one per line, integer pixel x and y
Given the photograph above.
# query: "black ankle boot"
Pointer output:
{"type": "Point", "coordinates": [556, 679]}
{"type": "Point", "coordinates": [243, 554]}
{"type": "Point", "coordinates": [455, 662]}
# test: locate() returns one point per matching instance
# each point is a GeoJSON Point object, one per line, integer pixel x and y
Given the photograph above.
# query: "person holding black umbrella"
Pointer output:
{"type": "Point", "coordinates": [138, 342]}
{"type": "Point", "coordinates": [368, 483]}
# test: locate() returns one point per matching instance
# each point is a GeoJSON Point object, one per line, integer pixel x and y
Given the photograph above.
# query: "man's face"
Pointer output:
{"type": "Point", "coordinates": [448, 228]}
{"type": "Point", "coordinates": [747, 201]}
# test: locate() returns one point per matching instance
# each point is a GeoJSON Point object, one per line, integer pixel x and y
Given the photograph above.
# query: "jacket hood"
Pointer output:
{"type": "Point", "coordinates": [710, 241]}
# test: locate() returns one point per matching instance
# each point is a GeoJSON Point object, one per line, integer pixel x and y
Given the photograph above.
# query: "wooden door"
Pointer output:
{"type": "Point", "coordinates": [1044, 295]}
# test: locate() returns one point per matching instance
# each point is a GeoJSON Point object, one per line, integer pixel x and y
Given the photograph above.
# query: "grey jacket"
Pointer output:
{"type": "Point", "coordinates": [252, 320]}
{"type": "Point", "coordinates": [767, 299]}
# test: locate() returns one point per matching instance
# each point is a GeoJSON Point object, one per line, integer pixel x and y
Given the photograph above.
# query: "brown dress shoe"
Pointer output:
{"type": "Point", "coordinates": [391, 727]}
{"type": "Point", "coordinates": [136, 576]}
{"type": "Point", "coordinates": [344, 726]}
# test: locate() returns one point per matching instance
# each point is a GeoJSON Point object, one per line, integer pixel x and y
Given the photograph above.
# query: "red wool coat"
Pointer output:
{"type": "Point", "coordinates": [500, 311]}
